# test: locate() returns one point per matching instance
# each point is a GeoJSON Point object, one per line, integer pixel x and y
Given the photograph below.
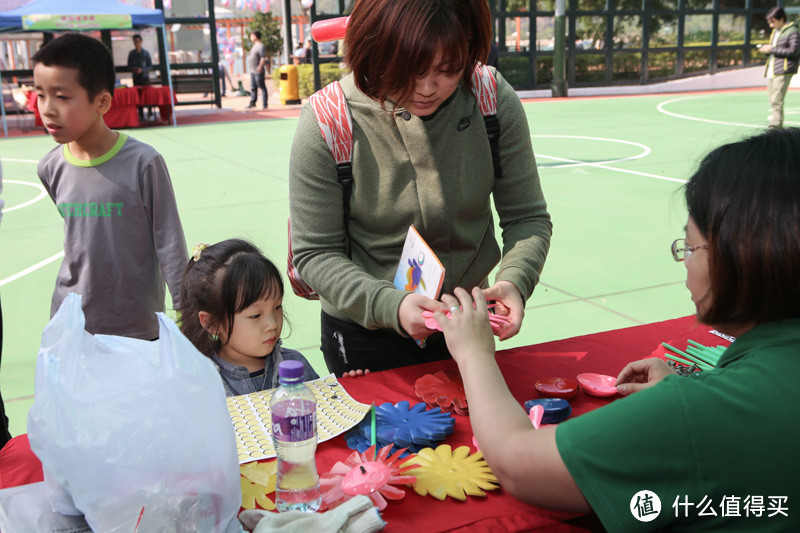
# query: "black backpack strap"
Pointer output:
{"type": "Point", "coordinates": [345, 176]}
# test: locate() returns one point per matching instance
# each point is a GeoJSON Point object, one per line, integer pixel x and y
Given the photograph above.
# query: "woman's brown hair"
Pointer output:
{"type": "Point", "coordinates": [745, 199]}
{"type": "Point", "coordinates": [389, 43]}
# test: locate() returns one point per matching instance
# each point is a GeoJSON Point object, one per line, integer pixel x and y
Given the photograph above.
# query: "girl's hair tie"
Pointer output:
{"type": "Point", "coordinates": [198, 250]}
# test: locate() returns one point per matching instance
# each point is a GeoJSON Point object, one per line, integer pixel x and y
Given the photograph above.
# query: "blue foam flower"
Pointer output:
{"type": "Point", "coordinates": [404, 427]}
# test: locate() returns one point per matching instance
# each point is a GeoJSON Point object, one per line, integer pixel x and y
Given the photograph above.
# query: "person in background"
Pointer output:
{"type": "Point", "coordinates": [421, 157]}
{"type": "Point", "coordinates": [258, 61]}
{"type": "Point", "coordinates": [299, 55]}
{"type": "Point", "coordinates": [5, 436]}
{"type": "Point", "coordinates": [308, 53]}
{"type": "Point", "coordinates": [140, 64]}
{"type": "Point", "coordinates": [122, 234]}
{"type": "Point", "coordinates": [223, 75]}
{"type": "Point", "coordinates": [784, 56]}
{"type": "Point", "coordinates": [232, 311]}
{"type": "Point", "coordinates": [682, 438]}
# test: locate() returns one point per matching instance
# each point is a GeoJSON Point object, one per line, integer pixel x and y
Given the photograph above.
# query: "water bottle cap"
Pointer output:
{"type": "Point", "coordinates": [290, 370]}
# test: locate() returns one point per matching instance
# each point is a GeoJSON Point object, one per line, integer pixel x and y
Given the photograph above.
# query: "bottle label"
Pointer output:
{"type": "Point", "coordinates": [292, 423]}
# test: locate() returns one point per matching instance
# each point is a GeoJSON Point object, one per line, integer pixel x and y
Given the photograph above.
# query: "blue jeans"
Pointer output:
{"type": "Point", "coordinates": [257, 81]}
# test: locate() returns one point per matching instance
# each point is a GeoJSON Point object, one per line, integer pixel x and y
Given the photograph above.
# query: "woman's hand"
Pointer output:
{"type": "Point", "coordinates": [508, 303]}
{"type": "Point", "coordinates": [355, 373]}
{"type": "Point", "coordinates": [410, 314]}
{"type": "Point", "coordinates": [468, 333]}
{"type": "Point", "coordinates": [642, 374]}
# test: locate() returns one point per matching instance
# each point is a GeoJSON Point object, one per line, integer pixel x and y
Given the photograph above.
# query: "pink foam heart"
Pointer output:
{"type": "Point", "coordinates": [535, 414]}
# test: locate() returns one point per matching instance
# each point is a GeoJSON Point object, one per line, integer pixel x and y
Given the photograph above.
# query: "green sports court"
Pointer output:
{"type": "Point", "coordinates": [611, 170]}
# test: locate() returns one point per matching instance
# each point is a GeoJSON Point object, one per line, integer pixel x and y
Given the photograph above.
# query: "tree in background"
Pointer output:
{"type": "Point", "coordinates": [270, 28]}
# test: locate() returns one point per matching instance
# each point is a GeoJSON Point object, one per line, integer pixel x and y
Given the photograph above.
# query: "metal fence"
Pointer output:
{"type": "Point", "coordinates": [625, 42]}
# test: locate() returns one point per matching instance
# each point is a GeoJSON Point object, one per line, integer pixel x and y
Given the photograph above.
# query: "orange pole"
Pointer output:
{"type": "Point", "coordinates": [10, 48]}
{"type": "Point", "coordinates": [519, 30]}
{"type": "Point", "coordinates": [244, 61]}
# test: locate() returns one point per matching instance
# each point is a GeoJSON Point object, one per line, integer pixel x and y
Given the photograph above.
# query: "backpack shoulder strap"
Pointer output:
{"type": "Point", "coordinates": [484, 88]}
{"type": "Point", "coordinates": [336, 125]}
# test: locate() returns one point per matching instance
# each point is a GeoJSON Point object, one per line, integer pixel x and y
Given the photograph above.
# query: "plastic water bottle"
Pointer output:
{"type": "Point", "coordinates": [294, 433]}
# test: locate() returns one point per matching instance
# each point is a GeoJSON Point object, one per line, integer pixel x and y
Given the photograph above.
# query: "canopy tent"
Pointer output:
{"type": "Point", "coordinates": [74, 12]}
{"type": "Point", "coordinates": [77, 15]}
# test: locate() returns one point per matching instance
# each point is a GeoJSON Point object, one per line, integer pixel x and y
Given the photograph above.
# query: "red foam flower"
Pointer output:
{"type": "Point", "coordinates": [439, 390]}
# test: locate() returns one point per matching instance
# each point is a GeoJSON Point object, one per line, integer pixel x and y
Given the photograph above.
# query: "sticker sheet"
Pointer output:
{"type": "Point", "coordinates": [336, 413]}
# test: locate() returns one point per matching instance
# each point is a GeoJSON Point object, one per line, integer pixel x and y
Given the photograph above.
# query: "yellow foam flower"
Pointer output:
{"type": "Point", "coordinates": [443, 472]}
{"type": "Point", "coordinates": [258, 480]}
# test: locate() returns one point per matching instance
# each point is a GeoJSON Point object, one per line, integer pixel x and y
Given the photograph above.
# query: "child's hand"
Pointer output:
{"type": "Point", "coordinates": [468, 334]}
{"type": "Point", "coordinates": [354, 373]}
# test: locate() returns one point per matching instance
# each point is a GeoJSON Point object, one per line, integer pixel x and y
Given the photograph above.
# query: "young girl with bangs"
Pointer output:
{"type": "Point", "coordinates": [421, 157]}
{"type": "Point", "coordinates": [232, 311]}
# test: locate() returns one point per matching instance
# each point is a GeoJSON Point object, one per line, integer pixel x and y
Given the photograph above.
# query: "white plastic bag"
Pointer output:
{"type": "Point", "coordinates": [133, 432]}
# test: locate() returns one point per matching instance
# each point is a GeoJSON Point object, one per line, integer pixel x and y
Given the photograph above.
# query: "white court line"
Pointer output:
{"type": "Point", "coordinates": [601, 165]}
{"type": "Point", "coordinates": [645, 149]}
{"type": "Point", "coordinates": [32, 268]}
{"type": "Point", "coordinates": [42, 194]}
{"type": "Point", "coordinates": [660, 108]}
{"type": "Point", "coordinates": [604, 164]}
{"type": "Point", "coordinates": [34, 161]}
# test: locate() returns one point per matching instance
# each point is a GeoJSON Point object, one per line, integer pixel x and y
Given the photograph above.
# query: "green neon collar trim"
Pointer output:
{"type": "Point", "coordinates": [97, 160]}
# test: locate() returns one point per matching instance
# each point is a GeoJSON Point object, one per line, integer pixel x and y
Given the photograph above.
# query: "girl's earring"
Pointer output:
{"type": "Point", "coordinates": [214, 337]}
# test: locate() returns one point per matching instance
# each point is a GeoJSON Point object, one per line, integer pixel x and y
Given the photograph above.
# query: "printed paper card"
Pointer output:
{"type": "Point", "coordinates": [419, 270]}
{"type": "Point", "coordinates": [337, 412]}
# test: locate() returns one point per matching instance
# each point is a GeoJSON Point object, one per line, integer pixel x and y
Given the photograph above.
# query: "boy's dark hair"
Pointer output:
{"type": "Point", "coordinates": [389, 43]}
{"type": "Point", "coordinates": [776, 13]}
{"type": "Point", "coordinates": [745, 199]}
{"type": "Point", "coordinates": [85, 54]}
{"type": "Point", "coordinates": [136, 36]}
{"type": "Point", "coordinates": [227, 278]}
{"type": "Point", "coordinates": [257, 33]}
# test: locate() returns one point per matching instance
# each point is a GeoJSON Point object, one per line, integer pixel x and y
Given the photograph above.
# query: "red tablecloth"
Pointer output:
{"type": "Point", "coordinates": [155, 95]}
{"type": "Point", "coordinates": [124, 105]}
{"type": "Point", "coordinates": [604, 353]}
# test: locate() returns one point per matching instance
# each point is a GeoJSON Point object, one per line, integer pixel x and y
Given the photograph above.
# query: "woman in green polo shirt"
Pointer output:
{"type": "Point", "coordinates": [719, 447]}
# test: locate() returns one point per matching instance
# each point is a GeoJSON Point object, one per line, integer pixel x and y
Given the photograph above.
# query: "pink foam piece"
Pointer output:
{"type": "Point", "coordinates": [431, 323]}
{"type": "Point", "coordinates": [475, 443]}
{"type": "Point", "coordinates": [535, 414]}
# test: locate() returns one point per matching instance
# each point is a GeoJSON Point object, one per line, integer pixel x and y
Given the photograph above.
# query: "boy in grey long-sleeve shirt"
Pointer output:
{"type": "Point", "coordinates": [123, 237]}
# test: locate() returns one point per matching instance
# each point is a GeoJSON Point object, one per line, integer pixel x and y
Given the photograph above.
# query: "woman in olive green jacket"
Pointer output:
{"type": "Point", "coordinates": [421, 157]}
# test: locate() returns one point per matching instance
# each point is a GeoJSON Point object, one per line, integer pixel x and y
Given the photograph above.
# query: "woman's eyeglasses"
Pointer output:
{"type": "Point", "coordinates": [681, 252]}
